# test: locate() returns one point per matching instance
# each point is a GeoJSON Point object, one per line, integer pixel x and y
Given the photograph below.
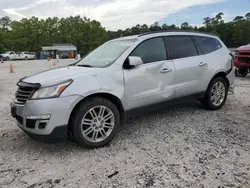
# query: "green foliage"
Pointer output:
{"type": "Point", "coordinates": [233, 34]}
{"type": "Point", "coordinates": [33, 33]}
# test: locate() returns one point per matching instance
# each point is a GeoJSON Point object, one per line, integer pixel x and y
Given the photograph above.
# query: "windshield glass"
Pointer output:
{"type": "Point", "coordinates": [106, 54]}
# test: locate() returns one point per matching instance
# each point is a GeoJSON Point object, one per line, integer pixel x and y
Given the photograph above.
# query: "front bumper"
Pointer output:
{"type": "Point", "coordinates": [239, 64]}
{"type": "Point", "coordinates": [45, 119]}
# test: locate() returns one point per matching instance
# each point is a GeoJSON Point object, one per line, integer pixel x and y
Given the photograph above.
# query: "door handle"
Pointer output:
{"type": "Point", "coordinates": [165, 70]}
{"type": "Point", "coordinates": [202, 64]}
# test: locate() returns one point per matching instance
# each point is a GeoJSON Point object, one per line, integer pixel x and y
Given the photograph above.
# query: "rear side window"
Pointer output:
{"type": "Point", "coordinates": [182, 46]}
{"type": "Point", "coordinates": [152, 50]}
{"type": "Point", "coordinates": [207, 45]}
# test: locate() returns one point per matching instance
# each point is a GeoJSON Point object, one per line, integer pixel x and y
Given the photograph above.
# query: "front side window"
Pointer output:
{"type": "Point", "coordinates": [106, 54]}
{"type": "Point", "coordinates": [182, 46]}
{"type": "Point", "coordinates": [152, 50]}
{"type": "Point", "coordinates": [207, 45]}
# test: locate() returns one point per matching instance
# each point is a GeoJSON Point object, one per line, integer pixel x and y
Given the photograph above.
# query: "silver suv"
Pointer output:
{"type": "Point", "coordinates": [90, 98]}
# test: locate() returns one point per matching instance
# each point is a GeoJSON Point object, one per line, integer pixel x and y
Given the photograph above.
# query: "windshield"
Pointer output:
{"type": "Point", "coordinates": [106, 54]}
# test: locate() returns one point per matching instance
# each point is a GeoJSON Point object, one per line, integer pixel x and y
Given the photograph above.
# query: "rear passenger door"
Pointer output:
{"type": "Point", "coordinates": [190, 65]}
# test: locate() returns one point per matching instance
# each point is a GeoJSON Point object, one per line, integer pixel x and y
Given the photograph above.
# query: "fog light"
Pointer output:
{"type": "Point", "coordinates": [41, 117]}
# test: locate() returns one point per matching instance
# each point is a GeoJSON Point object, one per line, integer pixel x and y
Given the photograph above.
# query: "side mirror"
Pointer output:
{"type": "Point", "coordinates": [134, 61]}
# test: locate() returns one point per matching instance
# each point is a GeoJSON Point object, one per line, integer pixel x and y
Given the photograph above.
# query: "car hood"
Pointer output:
{"type": "Point", "coordinates": [60, 74]}
{"type": "Point", "coordinates": [244, 48]}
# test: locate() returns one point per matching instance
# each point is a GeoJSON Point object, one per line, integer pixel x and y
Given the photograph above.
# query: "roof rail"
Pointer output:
{"type": "Point", "coordinates": [163, 31]}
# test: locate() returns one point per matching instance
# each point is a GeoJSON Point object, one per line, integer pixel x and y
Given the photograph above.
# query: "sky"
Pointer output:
{"type": "Point", "coordinates": [121, 14]}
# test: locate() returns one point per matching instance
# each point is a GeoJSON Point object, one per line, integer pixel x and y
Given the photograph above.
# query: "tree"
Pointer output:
{"type": "Point", "coordinates": [207, 21]}
{"type": "Point", "coordinates": [238, 18]}
{"type": "Point", "coordinates": [185, 25]}
{"type": "Point", "coordinates": [33, 33]}
{"type": "Point", "coordinates": [5, 23]}
{"type": "Point", "coordinates": [247, 16]}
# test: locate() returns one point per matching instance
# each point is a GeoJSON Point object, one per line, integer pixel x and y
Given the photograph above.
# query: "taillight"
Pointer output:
{"type": "Point", "coordinates": [232, 60]}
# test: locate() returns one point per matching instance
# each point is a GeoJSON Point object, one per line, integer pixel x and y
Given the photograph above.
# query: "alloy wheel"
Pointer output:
{"type": "Point", "coordinates": [97, 124]}
{"type": "Point", "coordinates": [218, 93]}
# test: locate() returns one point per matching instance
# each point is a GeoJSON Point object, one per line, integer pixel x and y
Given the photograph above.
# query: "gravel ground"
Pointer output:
{"type": "Point", "coordinates": [179, 146]}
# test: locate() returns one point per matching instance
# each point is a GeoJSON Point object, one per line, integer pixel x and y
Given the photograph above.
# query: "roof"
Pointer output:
{"type": "Point", "coordinates": [174, 31]}
{"type": "Point", "coordinates": [165, 33]}
{"type": "Point", "coordinates": [60, 47]}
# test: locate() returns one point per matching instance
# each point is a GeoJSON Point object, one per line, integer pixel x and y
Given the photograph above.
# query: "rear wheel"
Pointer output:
{"type": "Point", "coordinates": [26, 58]}
{"type": "Point", "coordinates": [241, 72]}
{"type": "Point", "coordinates": [216, 94]}
{"type": "Point", "coordinates": [95, 122]}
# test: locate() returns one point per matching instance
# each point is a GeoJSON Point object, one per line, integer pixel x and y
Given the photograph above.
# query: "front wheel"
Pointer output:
{"type": "Point", "coordinates": [95, 122]}
{"type": "Point", "coordinates": [216, 94]}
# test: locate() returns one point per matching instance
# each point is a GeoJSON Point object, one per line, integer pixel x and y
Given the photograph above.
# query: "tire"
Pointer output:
{"type": "Point", "coordinates": [95, 126]}
{"type": "Point", "coordinates": [26, 58]}
{"type": "Point", "coordinates": [241, 72]}
{"type": "Point", "coordinates": [210, 100]}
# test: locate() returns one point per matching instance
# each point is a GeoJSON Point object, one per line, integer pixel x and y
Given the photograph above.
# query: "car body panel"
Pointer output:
{"type": "Point", "coordinates": [146, 84]}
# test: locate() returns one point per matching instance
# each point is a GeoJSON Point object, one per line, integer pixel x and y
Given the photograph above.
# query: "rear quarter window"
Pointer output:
{"type": "Point", "coordinates": [207, 45]}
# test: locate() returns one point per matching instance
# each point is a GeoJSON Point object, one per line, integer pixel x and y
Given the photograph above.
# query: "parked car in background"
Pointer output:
{"type": "Point", "coordinates": [242, 61]}
{"type": "Point", "coordinates": [25, 55]}
{"type": "Point", "coordinates": [3, 58]}
{"type": "Point", "coordinates": [90, 99]}
{"type": "Point", "coordinates": [11, 55]}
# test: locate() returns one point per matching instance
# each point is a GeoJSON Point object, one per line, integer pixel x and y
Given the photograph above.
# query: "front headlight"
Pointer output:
{"type": "Point", "coordinates": [51, 91]}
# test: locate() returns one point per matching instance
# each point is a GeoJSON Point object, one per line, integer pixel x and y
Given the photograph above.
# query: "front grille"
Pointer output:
{"type": "Point", "coordinates": [25, 90]}
{"type": "Point", "coordinates": [244, 53]}
{"type": "Point", "coordinates": [244, 59]}
{"type": "Point", "coordinates": [23, 94]}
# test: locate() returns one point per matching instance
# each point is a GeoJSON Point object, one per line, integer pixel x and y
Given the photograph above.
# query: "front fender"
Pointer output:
{"type": "Point", "coordinates": [108, 82]}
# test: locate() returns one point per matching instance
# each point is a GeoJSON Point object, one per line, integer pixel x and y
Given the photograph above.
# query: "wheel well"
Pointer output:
{"type": "Point", "coordinates": [108, 96]}
{"type": "Point", "coordinates": [223, 75]}
{"type": "Point", "coordinates": [220, 74]}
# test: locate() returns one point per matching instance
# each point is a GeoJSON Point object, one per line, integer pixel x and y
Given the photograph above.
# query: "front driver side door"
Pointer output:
{"type": "Point", "coordinates": [151, 82]}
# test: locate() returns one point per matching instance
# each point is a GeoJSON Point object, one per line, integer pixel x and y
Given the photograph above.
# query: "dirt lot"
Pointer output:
{"type": "Point", "coordinates": [180, 146]}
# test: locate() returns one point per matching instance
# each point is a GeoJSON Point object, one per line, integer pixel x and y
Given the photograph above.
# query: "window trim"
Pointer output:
{"type": "Point", "coordinates": [144, 42]}
{"type": "Point", "coordinates": [172, 49]}
{"type": "Point", "coordinates": [197, 46]}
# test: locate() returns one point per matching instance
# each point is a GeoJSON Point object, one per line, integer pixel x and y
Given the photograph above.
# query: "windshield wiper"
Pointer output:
{"type": "Point", "coordinates": [84, 66]}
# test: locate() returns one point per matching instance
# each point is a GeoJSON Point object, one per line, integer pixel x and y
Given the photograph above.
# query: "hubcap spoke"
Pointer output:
{"type": "Point", "coordinates": [103, 133]}
{"type": "Point", "coordinates": [95, 134]}
{"type": "Point", "coordinates": [108, 125]}
{"type": "Point", "coordinates": [102, 111]}
{"type": "Point", "coordinates": [87, 122]}
{"type": "Point", "coordinates": [213, 97]}
{"type": "Point", "coordinates": [213, 91]}
{"type": "Point", "coordinates": [88, 131]}
{"type": "Point", "coordinates": [93, 113]}
{"type": "Point", "coordinates": [108, 116]}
